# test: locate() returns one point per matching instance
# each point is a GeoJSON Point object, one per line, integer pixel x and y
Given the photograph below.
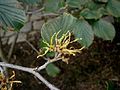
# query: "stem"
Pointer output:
{"type": "Point", "coordinates": [2, 58]}
{"type": "Point", "coordinates": [12, 46]}
{"type": "Point", "coordinates": [32, 46]}
{"type": "Point", "coordinates": [1, 51]}
{"type": "Point", "coordinates": [30, 70]}
{"type": "Point", "coordinates": [42, 67]}
{"type": "Point", "coordinates": [36, 11]}
{"type": "Point", "coordinates": [48, 62]}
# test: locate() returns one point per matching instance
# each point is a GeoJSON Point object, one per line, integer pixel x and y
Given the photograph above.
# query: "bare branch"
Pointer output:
{"type": "Point", "coordinates": [30, 70]}
{"type": "Point", "coordinates": [42, 67]}
{"type": "Point", "coordinates": [56, 58]}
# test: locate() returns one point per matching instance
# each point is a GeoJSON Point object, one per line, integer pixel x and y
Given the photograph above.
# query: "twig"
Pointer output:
{"type": "Point", "coordinates": [35, 49]}
{"type": "Point", "coordinates": [30, 70]}
{"type": "Point", "coordinates": [42, 67]}
{"type": "Point", "coordinates": [36, 11]}
{"type": "Point", "coordinates": [31, 46]}
{"type": "Point", "coordinates": [1, 52]}
{"type": "Point", "coordinates": [12, 46]}
{"type": "Point", "coordinates": [56, 58]}
{"type": "Point", "coordinates": [2, 58]}
{"type": "Point", "coordinates": [3, 35]}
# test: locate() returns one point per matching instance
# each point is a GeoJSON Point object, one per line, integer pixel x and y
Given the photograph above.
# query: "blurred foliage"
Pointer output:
{"type": "Point", "coordinates": [83, 18]}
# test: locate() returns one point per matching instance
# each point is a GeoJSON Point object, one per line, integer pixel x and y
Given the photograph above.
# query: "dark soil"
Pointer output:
{"type": "Point", "coordinates": [90, 70]}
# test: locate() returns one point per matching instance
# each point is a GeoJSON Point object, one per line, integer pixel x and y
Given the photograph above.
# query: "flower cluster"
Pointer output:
{"type": "Point", "coordinates": [60, 46]}
{"type": "Point", "coordinates": [7, 83]}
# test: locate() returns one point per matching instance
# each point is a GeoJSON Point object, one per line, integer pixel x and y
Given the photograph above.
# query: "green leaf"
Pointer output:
{"type": "Point", "coordinates": [10, 15]}
{"type": "Point", "coordinates": [83, 30]}
{"type": "Point", "coordinates": [52, 70]}
{"type": "Point", "coordinates": [17, 25]}
{"type": "Point", "coordinates": [50, 54]}
{"type": "Point", "coordinates": [102, 1]}
{"type": "Point", "coordinates": [113, 7]}
{"type": "Point", "coordinates": [103, 11]}
{"type": "Point", "coordinates": [63, 24]}
{"type": "Point", "coordinates": [31, 2]}
{"type": "Point", "coordinates": [53, 5]}
{"type": "Point", "coordinates": [42, 43]}
{"type": "Point", "coordinates": [110, 85]}
{"type": "Point", "coordinates": [104, 30]}
{"type": "Point", "coordinates": [76, 3]}
{"type": "Point", "coordinates": [91, 14]}
{"type": "Point", "coordinates": [92, 5]}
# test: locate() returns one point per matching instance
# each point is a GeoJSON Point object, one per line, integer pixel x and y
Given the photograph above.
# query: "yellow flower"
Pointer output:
{"type": "Point", "coordinates": [60, 45]}
{"type": "Point", "coordinates": [7, 83]}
